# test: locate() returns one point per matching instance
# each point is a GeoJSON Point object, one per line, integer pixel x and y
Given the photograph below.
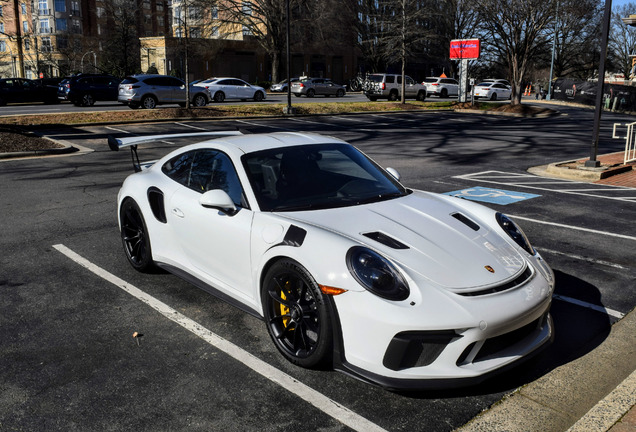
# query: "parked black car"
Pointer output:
{"type": "Point", "coordinates": [25, 90]}
{"type": "Point", "coordinates": [86, 89]}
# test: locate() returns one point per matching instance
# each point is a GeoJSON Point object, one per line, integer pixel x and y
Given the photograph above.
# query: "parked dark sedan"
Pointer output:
{"type": "Point", "coordinates": [14, 90]}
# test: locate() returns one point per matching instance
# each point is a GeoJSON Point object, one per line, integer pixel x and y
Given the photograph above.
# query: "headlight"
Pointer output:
{"type": "Point", "coordinates": [513, 230]}
{"type": "Point", "coordinates": [376, 274]}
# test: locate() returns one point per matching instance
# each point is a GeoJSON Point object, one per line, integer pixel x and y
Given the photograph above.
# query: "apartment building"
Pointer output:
{"type": "Point", "coordinates": [54, 38]}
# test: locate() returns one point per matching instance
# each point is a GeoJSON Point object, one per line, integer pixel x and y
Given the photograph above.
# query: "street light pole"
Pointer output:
{"type": "Point", "coordinates": [556, 26]}
{"type": "Point", "coordinates": [593, 162]}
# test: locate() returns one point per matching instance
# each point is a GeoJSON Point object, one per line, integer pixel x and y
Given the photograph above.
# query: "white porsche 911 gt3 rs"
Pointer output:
{"type": "Point", "coordinates": [402, 288]}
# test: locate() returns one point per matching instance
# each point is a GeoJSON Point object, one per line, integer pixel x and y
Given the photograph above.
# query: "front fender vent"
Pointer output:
{"type": "Point", "coordinates": [385, 240]}
{"type": "Point", "coordinates": [155, 199]}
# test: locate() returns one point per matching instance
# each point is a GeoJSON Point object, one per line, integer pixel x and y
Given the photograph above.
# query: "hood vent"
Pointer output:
{"type": "Point", "coordinates": [385, 240]}
{"type": "Point", "coordinates": [463, 219]}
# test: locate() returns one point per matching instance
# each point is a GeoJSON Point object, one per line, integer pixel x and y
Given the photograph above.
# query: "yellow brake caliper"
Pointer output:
{"type": "Point", "coordinates": [284, 310]}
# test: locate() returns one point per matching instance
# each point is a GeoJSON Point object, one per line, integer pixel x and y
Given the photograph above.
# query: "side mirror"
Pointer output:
{"type": "Point", "coordinates": [394, 173]}
{"type": "Point", "coordinates": [218, 199]}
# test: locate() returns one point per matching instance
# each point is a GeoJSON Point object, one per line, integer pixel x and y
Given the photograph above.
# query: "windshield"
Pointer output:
{"type": "Point", "coordinates": [484, 84]}
{"type": "Point", "coordinates": [376, 78]}
{"type": "Point", "coordinates": [317, 177]}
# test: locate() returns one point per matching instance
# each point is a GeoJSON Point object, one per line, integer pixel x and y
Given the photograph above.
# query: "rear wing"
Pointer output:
{"type": "Point", "coordinates": [117, 143]}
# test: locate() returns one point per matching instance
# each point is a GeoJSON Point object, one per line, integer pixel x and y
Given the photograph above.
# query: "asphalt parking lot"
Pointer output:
{"type": "Point", "coordinates": [71, 302]}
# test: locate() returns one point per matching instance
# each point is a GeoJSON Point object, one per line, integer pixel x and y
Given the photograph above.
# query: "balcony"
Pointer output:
{"type": "Point", "coordinates": [44, 12]}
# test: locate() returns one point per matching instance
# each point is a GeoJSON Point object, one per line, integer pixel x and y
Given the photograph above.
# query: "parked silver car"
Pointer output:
{"type": "Point", "coordinates": [311, 87]}
{"type": "Point", "coordinates": [281, 86]}
{"type": "Point", "coordinates": [231, 88]}
{"type": "Point", "coordinates": [148, 91]}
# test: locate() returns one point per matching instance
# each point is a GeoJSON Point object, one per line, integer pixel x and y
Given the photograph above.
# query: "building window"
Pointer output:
{"type": "Point", "coordinates": [60, 5]}
{"type": "Point", "coordinates": [159, 21]}
{"type": "Point", "coordinates": [215, 31]}
{"type": "Point", "coordinates": [101, 12]}
{"type": "Point", "coordinates": [146, 4]}
{"type": "Point", "coordinates": [77, 26]}
{"type": "Point", "coordinates": [178, 32]}
{"type": "Point", "coordinates": [46, 44]}
{"type": "Point", "coordinates": [147, 19]}
{"type": "Point", "coordinates": [43, 7]}
{"type": "Point", "coordinates": [0, 10]}
{"type": "Point", "coordinates": [25, 26]}
{"type": "Point", "coordinates": [177, 15]}
{"type": "Point", "coordinates": [99, 29]}
{"type": "Point", "coordinates": [195, 32]}
{"type": "Point", "coordinates": [159, 6]}
{"type": "Point", "coordinates": [62, 42]}
{"type": "Point", "coordinates": [75, 9]}
{"type": "Point", "coordinates": [44, 26]}
{"type": "Point", "coordinates": [61, 24]}
{"type": "Point", "coordinates": [27, 45]}
{"type": "Point", "coordinates": [215, 12]}
{"type": "Point", "coordinates": [23, 8]}
{"type": "Point", "coordinates": [194, 13]}
{"type": "Point", "coordinates": [3, 46]}
{"type": "Point", "coordinates": [1, 27]}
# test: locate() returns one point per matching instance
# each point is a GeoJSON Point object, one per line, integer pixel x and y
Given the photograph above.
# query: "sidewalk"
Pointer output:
{"type": "Point", "coordinates": [593, 393]}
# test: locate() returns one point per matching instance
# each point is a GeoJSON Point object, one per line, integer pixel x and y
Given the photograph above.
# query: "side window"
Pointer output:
{"type": "Point", "coordinates": [174, 82]}
{"type": "Point", "coordinates": [390, 79]}
{"type": "Point", "coordinates": [153, 81]}
{"type": "Point", "coordinates": [409, 80]}
{"type": "Point", "coordinates": [179, 167]}
{"type": "Point", "coordinates": [399, 79]}
{"type": "Point", "coordinates": [204, 170]}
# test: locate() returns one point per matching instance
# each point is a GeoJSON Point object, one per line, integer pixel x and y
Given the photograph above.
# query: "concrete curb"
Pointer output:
{"type": "Point", "coordinates": [564, 396]}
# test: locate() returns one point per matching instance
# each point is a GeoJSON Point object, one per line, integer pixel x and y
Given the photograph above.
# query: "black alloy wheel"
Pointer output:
{"type": "Point", "coordinates": [219, 96]}
{"type": "Point", "coordinates": [134, 237]}
{"type": "Point", "coordinates": [258, 96]}
{"type": "Point", "coordinates": [297, 315]}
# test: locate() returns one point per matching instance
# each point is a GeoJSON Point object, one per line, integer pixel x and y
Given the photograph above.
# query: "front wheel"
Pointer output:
{"type": "Point", "coordinates": [199, 100]}
{"type": "Point", "coordinates": [258, 96]}
{"type": "Point", "coordinates": [393, 96]}
{"type": "Point", "coordinates": [134, 237]}
{"type": "Point", "coordinates": [297, 315]}
{"type": "Point", "coordinates": [340, 93]}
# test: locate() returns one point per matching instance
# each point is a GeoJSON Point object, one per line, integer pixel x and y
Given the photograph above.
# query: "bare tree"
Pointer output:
{"type": "Point", "coordinates": [622, 40]}
{"type": "Point", "coordinates": [120, 44]}
{"type": "Point", "coordinates": [515, 33]}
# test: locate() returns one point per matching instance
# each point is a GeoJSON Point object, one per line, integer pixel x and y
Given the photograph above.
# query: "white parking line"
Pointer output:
{"type": "Point", "coordinates": [320, 401]}
{"type": "Point", "coordinates": [582, 258]}
{"type": "Point", "coordinates": [118, 130]}
{"type": "Point", "coordinates": [190, 126]}
{"type": "Point", "coordinates": [623, 236]}
{"type": "Point", "coordinates": [597, 308]}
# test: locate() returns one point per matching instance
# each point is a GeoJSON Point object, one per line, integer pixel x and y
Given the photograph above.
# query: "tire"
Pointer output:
{"type": "Point", "coordinates": [493, 97]}
{"type": "Point", "coordinates": [393, 96]}
{"type": "Point", "coordinates": [219, 96]}
{"type": "Point", "coordinates": [258, 96]}
{"type": "Point", "coordinates": [444, 94]}
{"type": "Point", "coordinates": [340, 93]}
{"type": "Point", "coordinates": [135, 238]}
{"type": "Point", "coordinates": [421, 96]}
{"type": "Point", "coordinates": [199, 100]}
{"type": "Point", "coordinates": [311, 93]}
{"type": "Point", "coordinates": [297, 94]}
{"type": "Point", "coordinates": [87, 100]}
{"type": "Point", "coordinates": [372, 98]}
{"type": "Point", "coordinates": [148, 102]}
{"type": "Point", "coordinates": [297, 315]}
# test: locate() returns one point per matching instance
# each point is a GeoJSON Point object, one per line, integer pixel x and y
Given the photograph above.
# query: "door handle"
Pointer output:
{"type": "Point", "coordinates": [177, 212]}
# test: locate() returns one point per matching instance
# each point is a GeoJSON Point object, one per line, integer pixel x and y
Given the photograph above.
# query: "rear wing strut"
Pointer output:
{"type": "Point", "coordinates": [116, 143]}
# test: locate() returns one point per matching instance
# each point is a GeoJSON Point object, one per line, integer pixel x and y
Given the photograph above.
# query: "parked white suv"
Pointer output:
{"type": "Point", "coordinates": [442, 87]}
{"type": "Point", "coordinates": [389, 86]}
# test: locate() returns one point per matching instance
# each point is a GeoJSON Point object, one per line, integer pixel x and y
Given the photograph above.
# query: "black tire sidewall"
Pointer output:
{"type": "Point", "coordinates": [322, 355]}
{"type": "Point", "coordinates": [146, 264]}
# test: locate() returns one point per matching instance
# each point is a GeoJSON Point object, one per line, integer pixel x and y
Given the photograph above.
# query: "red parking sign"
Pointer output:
{"type": "Point", "coordinates": [464, 49]}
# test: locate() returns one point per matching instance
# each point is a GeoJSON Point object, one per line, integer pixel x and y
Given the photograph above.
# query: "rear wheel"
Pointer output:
{"type": "Point", "coordinates": [311, 93]}
{"type": "Point", "coordinates": [88, 100]}
{"type": "Point", "coordinates": [493, 97]}
{"type": "Point", "coordinates": [219, 96]}
{"type": "Point", "coordinates": [393, 96]}
{"type": "Point", "coordinates": [340, 93]}
{"type": "Point", "coordinates": [134, 237]}
{"type": "Point", "coordinates": [149, 102]}
{"type": "Point", "coordinates": [444, 93]}
{"type": "Point", "coordinates": [297, 314]}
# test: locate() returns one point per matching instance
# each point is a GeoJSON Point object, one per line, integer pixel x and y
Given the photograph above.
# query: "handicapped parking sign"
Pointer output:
{"type": "Point", "coordinates": [490, 195]}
